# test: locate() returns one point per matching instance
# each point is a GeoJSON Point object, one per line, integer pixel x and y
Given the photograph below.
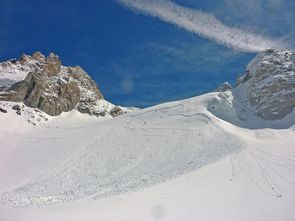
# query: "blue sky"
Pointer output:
{"type": "Point", "coordinates": [140, 58]}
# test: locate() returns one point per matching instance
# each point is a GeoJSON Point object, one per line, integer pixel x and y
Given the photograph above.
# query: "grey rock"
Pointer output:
{"type": "Point", "coordinates": [2, 110]}
{"type": "Point", "coordinates": [68, 96]}
{"type": "Point", "coordinates": [51, 87]}
{"type": "Point", "coordinates": [271, 83]}
{"type": "Point", "coordinates": [116, 111]}
{"type": "Point", "coordinates": [90, 93]}
{"type": "Point", "coordinates": [52, 65]}
{"type": "Point", "coordinates": [39, 56]}
{"type": "Point", "coordinates": [24, 59]}
{"type": "Point", "coordinates": [16, 107]}
{"type": "Point", "coordinates": [225, 87]}
{"type": "Point", "coordinates": [17, 92]}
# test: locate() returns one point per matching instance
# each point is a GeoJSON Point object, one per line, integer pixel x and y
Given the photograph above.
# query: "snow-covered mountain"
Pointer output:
{"type": "Point", "coordinates": [44, 83]}
{"type": "Point", "coordinates": [271, 83]}
{"type": "Point", "coordinates": [211, 157]}
{"type": "Point", "coordinates": [264, 96]}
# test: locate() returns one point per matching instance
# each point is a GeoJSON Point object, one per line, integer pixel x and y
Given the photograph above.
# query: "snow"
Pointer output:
{"type": "Point", "coordinates": [13, 71]}
{"type": "Point", "coordinates": [179, 160]}
{"type": "Point", "coordinates": [233, 106]}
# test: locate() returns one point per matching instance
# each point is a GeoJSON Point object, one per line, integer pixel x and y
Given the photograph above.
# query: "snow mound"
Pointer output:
{"type": "Point", "coordinates": [178, 157]}
{"type": "Point", "coordinates": [135, 151]}
{"type": "Point", "coordinates": [20, 118]}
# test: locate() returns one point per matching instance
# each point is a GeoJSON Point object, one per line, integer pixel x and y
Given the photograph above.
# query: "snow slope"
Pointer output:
{"type": "Point", "coordinates": [12, 72]}
{"type": "Point", "coordinates": [169, 162]}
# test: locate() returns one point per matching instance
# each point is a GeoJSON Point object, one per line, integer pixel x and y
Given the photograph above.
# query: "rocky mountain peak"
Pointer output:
{"type": "Point", "coordinates": [44, 83]}
{"type": "Point", "coordinates": [39, 56]}
{"type": "Point", "coordinates": [270, 83]}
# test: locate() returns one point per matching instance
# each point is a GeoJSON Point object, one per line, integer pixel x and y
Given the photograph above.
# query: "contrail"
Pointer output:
{"type": "Point", "coordinates": [203, 24]}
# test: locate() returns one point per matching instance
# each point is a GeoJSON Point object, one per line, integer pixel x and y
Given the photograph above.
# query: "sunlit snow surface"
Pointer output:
{"type": "Point", "coordinates": [76, 158]}
{"type": "Point", "coordinates": [129, 153]}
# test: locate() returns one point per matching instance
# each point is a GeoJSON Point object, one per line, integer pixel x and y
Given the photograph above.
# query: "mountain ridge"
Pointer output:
{"type": "Point", "coordinates": [264, 96]}
{"type": "Point", "coordinates": [44, 83]}
{"type": "Point", "coordinates": [211, 157]}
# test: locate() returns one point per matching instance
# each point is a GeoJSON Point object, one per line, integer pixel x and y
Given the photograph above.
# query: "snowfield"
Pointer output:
{"type": "Point", "coordinates": [195, 159]}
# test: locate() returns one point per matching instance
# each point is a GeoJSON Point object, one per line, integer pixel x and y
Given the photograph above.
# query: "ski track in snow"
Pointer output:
{"type": "Point", "coordinates": [137, 151]}
{"type": "Point", "coordinates": [142, 149]}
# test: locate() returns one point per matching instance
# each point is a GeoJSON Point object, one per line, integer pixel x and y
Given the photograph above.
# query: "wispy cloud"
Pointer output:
{"type": "Point", "coordinates": [127, 85]}
{"type": "Point", "coordinates": [203, 24]}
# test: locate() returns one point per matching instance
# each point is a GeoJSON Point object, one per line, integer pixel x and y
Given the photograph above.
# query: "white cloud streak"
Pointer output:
{"type": "Point", "coordinates": [203, 24]}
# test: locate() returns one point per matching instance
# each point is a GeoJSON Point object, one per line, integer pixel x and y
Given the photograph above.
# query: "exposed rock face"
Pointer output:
{"type": "Point", "coordinates": [52, 65]}
{"type": "Point", "coordinates": [90, 95]}
{"type": "Point", "coordinates": [271, 83]}
{"type": "Point", "coordinates": [2, 110]}
{"type": "Point", "coordinates": [54, 88]}
{"type": "Point", "coordinates": [116, 111]}
{"type": "Point", "coordinates": [225, 87]}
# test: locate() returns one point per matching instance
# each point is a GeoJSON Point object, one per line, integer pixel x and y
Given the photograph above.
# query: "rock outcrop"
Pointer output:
{"type": "Point", "coordinates": [2, 110]}
{"type": "Point", "coordinates": [54, 88]}
{"type": "Point", "coordinates": [270, 80]}
{"type": "Point", "coordinates": [226, 86]}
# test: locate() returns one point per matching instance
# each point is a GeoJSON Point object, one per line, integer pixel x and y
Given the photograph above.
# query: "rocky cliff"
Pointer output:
{"type": "Point", "coordinates": [270, 83]}
{"type": "Point", "coordinates": [44, 83]}
{"type": "Point", "coordinates": [264, 95]}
